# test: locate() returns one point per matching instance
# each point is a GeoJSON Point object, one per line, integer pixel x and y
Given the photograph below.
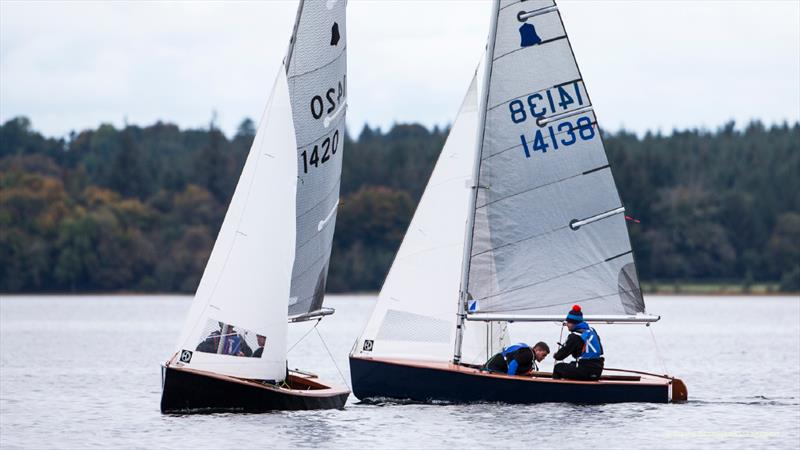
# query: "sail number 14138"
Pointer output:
{"type": "Point", "coordinates": [565, 134]}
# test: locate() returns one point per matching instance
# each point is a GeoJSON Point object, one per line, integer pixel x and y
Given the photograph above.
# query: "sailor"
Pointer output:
{"type": "Point", "coordinates": [518, 359]}
{"type": "Point", "coordinates": [262, 341]}
{"type": "Point", "coordinates": [583, 344]}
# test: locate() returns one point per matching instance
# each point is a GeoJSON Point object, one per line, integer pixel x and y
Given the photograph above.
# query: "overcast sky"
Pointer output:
{"type": "Point", "coordinates": [647, 64]}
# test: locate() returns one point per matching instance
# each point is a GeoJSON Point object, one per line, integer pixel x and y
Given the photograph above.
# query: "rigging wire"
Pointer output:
{"type": "Point", "coordinates": [658, 350]}
{"type": "Point", "coordinates": [332, 358]}
{"type": "Point", "coordinates": [304, 336]}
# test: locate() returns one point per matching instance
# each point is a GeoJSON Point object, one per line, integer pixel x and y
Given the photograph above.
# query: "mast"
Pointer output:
{"type": "Point", "coordinates": [290, 50]}
{"type": "Point", "coordinates": [463, 294]}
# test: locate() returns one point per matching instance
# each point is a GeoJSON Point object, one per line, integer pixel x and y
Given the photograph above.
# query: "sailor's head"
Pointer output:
{"type": "Point", "coordinates": [262, 340]}
{"type": "Point", "coordinates": [540, 351]}
{"type": "Point", "coordinates": [574, 317]}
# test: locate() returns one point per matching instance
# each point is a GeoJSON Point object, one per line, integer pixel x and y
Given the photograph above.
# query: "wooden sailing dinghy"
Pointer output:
{"type": "Point", "coordinates": [525, 169]}
{"type": "Point", "coordinates": [270, 262]}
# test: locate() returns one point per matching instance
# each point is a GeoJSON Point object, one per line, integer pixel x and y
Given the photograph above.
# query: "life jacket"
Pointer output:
{"type": "Point", "coordinates": [511, 353]}
{"type": "Point", "coordinates": [592, 347]}
{"type": "Point", "coordinates": [513, 348]}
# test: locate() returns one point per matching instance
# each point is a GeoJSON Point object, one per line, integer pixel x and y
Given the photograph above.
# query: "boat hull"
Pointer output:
{"type": "Point", "coordinates": [185, 390]}
{"type": "Point", "coordinates": [424, 381]}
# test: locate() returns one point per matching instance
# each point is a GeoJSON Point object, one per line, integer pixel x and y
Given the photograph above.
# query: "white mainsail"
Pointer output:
{"type": "Point", "coordinates": [270, 259]}
{"type": "Point", "coordinates": [415, 315]}
{"type": "Point", "coordinates": [549, 227]}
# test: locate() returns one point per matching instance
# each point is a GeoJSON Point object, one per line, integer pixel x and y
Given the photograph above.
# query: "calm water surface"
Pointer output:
{"type": "Point", "coordinates": [83, 372]}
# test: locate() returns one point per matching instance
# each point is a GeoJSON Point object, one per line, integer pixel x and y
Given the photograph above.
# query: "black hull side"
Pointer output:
{"type": "Point", "coordinates": [380, 379]}
{"type": "Point", "coordinates": [185, 391]}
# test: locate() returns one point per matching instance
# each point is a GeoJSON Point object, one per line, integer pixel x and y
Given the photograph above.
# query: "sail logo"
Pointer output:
{"type": "Point", "coordinates": [528, 36]}
{"type": "Point", "coordinates": [368, 344]}
{"type": "Point", "coordinates": [335, 36]}
{"type": "Point", "coordinates": [186, 356]}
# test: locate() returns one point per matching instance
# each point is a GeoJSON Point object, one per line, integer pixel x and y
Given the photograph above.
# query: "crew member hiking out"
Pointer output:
{"type": "Point", "coordinates": [518, 359]}
{"type": "Point", "coordinates": [583, 344]}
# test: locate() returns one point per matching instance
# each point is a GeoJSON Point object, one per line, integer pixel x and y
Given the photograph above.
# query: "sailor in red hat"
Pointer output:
{"type": "Point", "coordinates": [584, 345]}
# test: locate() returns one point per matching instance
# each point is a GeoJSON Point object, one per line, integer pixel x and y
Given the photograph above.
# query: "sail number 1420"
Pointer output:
{"type": "Point", "coordinates": [328, 148]}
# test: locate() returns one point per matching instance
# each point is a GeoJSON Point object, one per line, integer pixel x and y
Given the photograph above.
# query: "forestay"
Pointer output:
{"type": "Point", "coordinates": [414, 317]}
{"type": "Point", "coordinates": [317, 72]}
{"type": "Point", "coordinates": [549, 226]}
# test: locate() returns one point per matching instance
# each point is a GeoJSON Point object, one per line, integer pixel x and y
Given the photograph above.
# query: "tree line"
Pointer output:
{"type": "Point", "coordinates": [138, 208]}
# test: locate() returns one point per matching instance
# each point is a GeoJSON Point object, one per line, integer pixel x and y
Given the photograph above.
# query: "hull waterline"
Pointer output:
{"type": "Point", "coordinates": [186, 390]}
{"type": "Point", "coordinates": [426, 381]}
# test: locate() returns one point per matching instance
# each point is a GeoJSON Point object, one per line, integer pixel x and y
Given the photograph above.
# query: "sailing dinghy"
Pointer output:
{"type": "Point", "coordinates": [525, 169]}
{"type": "Point", "coordinates": [270, 262]}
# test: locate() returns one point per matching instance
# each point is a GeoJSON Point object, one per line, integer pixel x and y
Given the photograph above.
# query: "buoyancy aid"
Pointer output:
{"type": "Point", "coordinates": [592, 347]}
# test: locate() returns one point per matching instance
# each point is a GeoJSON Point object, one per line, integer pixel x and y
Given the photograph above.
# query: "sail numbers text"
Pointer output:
{"type": "Point", "coordinates": [328, 148]}
{"type": "Point", "coordinates": [551, 101]}
{"type": "Point", "coordinates": [328, 102]}
{"type": "Point", "coordinates": [566, 131]}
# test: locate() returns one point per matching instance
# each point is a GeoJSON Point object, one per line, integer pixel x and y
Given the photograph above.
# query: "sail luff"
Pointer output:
{"type": "Point", "coordinates": [465, 263]}
{"type": "Point", "coordinates": [288, 59]}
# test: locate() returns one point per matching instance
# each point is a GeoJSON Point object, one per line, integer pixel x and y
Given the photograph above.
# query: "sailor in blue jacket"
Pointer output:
{"type": "Point", "coordinates": [518, 359]}
{"type": "Point", "coordinates": [583, 344]}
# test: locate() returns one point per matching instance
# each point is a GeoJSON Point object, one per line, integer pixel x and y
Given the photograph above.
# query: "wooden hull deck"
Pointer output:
{"type": "Point", "coordinates": [191, 391]}
{"type": "Point", "coordinates": [425, 381]}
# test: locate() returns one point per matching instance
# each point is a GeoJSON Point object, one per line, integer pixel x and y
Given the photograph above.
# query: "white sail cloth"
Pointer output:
{"type": "Point", "coordinates": [415, 316]}
{"type": "Point", "coordinates": [549, 225]}
{"type": "Point", "coordinates": [246, 281]}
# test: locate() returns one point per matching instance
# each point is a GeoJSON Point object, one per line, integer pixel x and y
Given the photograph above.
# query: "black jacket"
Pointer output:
{"type": "Point", "coordinates": [573, 347]}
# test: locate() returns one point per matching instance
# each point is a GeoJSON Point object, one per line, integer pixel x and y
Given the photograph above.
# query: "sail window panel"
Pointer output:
{"type": "Point", "coordinates": [544, 258]}
{"type": "Point", "coordinates": [537, 68]}
{"type": "Point", "coordinates": [511, 34]}
{"type": "Point", "coordinates": [543, 210]}
{"type": "Point", "coordinates": [406, 326]}
{"type": "Point", "coordinates": [594, 288]}
{"type": "Point", "coordinates": [316, 100]}
{"type": "Point", "coordinates": [315, 33]}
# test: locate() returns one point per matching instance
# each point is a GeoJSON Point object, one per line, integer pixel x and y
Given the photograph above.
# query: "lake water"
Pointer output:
{"type": "Point", "coordinates": [83, 372]}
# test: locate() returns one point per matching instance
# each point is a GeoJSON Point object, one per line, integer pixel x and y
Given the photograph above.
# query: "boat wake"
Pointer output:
{"type": "Point", "coordinates": [755, 400]}
{"type": "Point", "coordinates": [387, 401]}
